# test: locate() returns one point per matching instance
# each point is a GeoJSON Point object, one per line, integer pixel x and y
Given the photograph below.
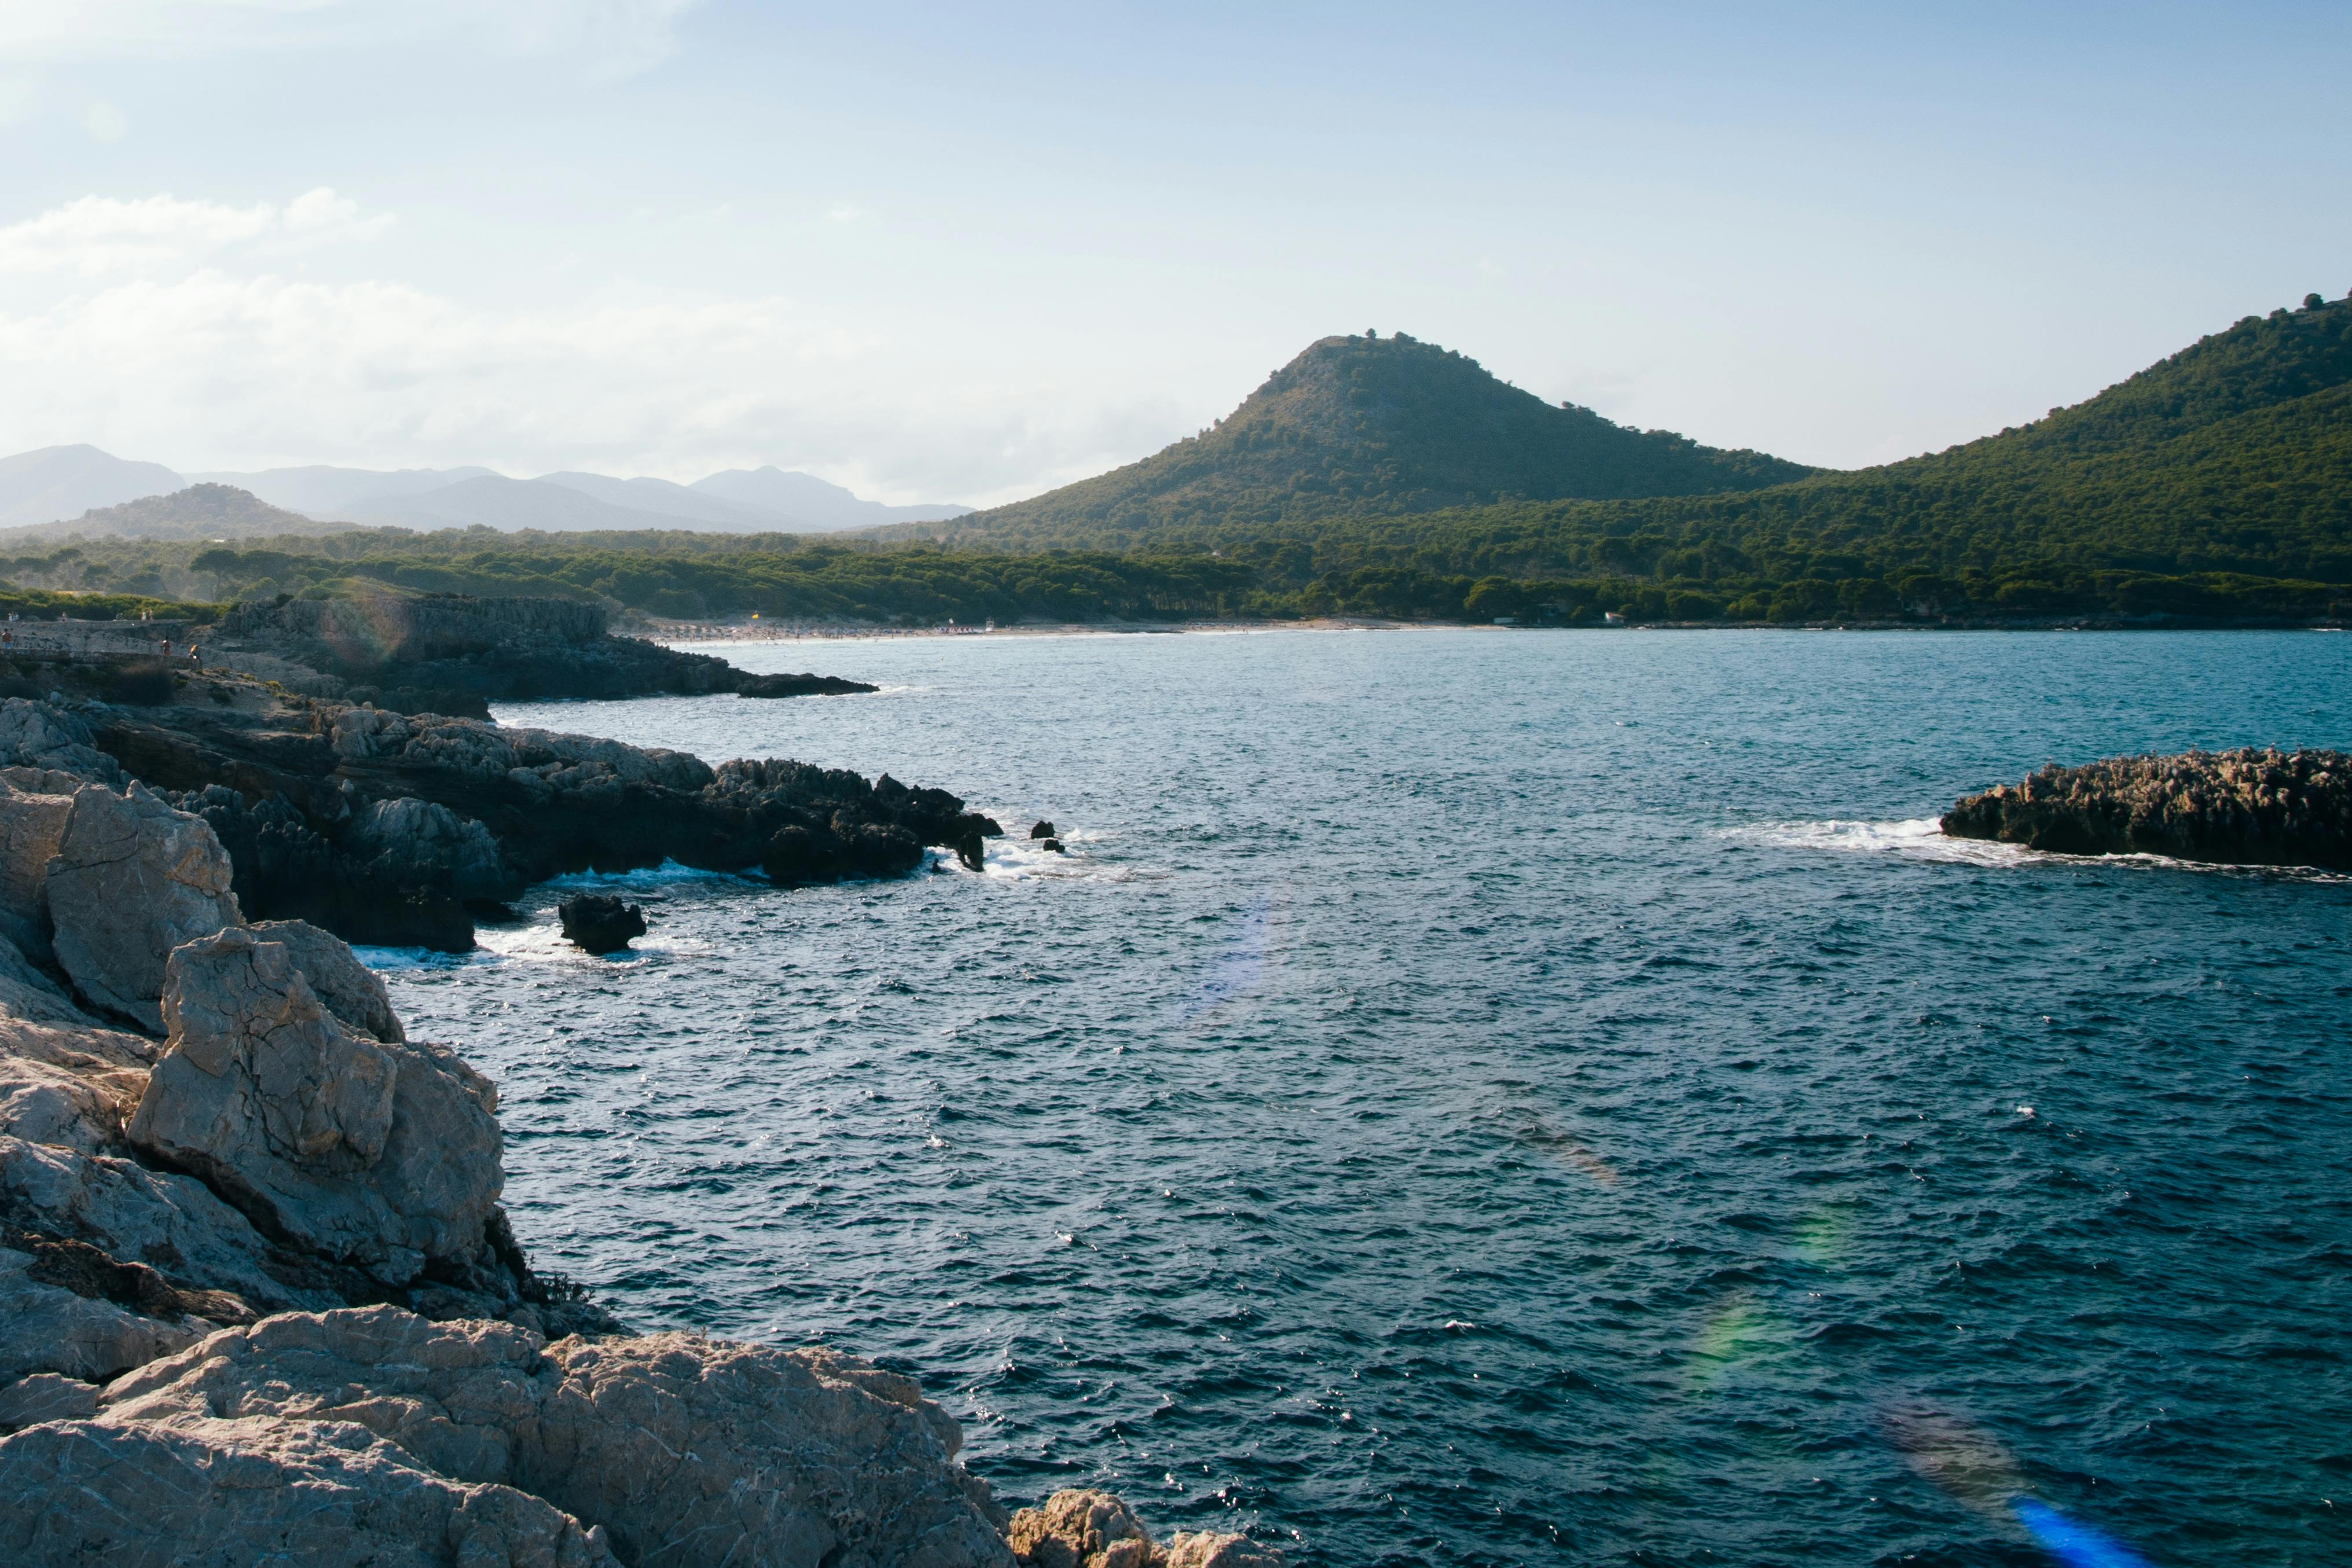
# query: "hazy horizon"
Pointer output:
{"type": "Point", "coordinates": [928, 255]}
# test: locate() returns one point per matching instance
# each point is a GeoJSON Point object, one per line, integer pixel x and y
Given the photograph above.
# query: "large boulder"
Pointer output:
{"type": "Point", "coordinates": [683, 1449]}
{"type": "Point", "coordinates": [379, 1153]}
{"type": "Point", "coordinates": [131, 880]}
{"type": "Point", "coordinates": [1087, 1528]}
{"type": "Point", "coordinates": [349, 988]}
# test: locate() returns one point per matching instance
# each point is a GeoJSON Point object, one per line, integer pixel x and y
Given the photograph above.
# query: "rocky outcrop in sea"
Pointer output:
{"type": "Point", "coordinates": [259, 1301]}
{"type": "Point", "coordinates": [2240, 807]}
{"type": "Point", "coordinates": [452, 654]}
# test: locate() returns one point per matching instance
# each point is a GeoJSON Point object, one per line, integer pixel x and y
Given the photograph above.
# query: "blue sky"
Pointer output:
{"type": "Point", "coordinates": [963, 254]}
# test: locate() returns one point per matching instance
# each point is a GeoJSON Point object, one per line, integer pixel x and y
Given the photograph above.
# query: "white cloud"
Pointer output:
{"type": "Point", "coordinates": [101, 234]}
{"type": "Point", "coordinates": [603, 37]}
{"type": "Point", "coordinates": [210, 369]}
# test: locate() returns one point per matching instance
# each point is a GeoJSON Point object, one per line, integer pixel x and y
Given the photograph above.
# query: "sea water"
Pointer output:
{"type": "Point", "coordinates": [1499, 1097]}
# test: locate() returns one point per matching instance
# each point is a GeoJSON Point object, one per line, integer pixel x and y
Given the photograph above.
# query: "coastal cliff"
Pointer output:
{"type": "Point", "coordinates": [259, 1298]}
{"type": "Point", "coordinates": [403, 829]}
{"type": "Point", "coordinates": [2241, 808]}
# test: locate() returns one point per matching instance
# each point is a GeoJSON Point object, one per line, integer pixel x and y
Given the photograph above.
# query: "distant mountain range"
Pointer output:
{"type": "Point", "coordinates": [65, 481]}
{"type": "Point", "coordinates": [65, 489]}
{"type": "Point", "coordinates": [1361, 427]}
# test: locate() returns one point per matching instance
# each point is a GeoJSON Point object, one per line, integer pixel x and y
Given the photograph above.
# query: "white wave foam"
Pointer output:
{"type": "Point", "coordinates": [1918, 838]}
{"type": "Point", "coordinates": [667, 873]}
{"type": "Point", "coordinates": [1923, 839]}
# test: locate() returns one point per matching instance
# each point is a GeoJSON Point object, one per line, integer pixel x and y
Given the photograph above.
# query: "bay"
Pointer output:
{"type": "Point", "coordinates": [1484, 1097]}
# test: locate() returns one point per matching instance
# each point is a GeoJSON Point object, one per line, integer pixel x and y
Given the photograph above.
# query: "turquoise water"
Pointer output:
{"type": "Point", "coordinates": [1478, 1098]}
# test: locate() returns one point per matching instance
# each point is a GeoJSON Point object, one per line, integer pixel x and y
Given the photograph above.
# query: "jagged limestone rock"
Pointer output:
{"type": "Point", "coordinates": [46, 1396]}
{"type": "Point", "coordinates": [2238, 808]}
{"type": "Point", "coordinates": [1082, 1529]}
{"type": "Point", "coordinates": [49, 1327]}
{"type": "Point", "coordinates": [378, 1154]}
{"type": "Point", "coordinates": [1208, 1549]}
{"type": "Point", "coordinates": [349, 988]}
{"type": "Point", "coordinates": [425, 839]}
{"type": "Point", "coordinates": [131, 880]}
{"type": "Point", "coordinates": [172, 1223]}
{"type": "Point", "coordinates": [227, 1493]}
{"type": "Point", "coordinates": [1089, 1529]}
{"type": "Point", "coordinates": [47, 737]}
{"type": "Point", "coordinates": [684, 1449]}
{"type": "Point", "coordinates": [30, 826]}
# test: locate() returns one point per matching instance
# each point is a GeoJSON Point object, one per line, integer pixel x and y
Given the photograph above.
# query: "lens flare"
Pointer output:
{"type": "Point", "coordinates": [1975, 1468]}
{"type": "Point", "coordinates": [1238, 969]}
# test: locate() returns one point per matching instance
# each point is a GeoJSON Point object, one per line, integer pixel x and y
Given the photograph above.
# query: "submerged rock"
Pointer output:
{"type": "Point", "coordinates": [2243, 808]}
{"type": "Point", "coordinates": [131, 880]}
{"type": "Point", "coordinates": [600, 922]}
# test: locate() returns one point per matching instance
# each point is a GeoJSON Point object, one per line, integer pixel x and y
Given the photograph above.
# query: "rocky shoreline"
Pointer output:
{"type": "Point", "coordinates": [2237, 808]}
{"type": "Point", "coordinates": [259, 1298]}
{"type": "Point", "coordinates": [404, 830]}
{"type": "Point", "coordinates": [451, 654]}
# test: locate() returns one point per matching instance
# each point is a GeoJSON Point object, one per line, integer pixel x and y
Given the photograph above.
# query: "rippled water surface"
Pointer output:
{"type": "Point", "coordinates": [1501, 1098]}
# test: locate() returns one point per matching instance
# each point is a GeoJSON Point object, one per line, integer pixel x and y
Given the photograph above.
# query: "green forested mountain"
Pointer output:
{"type": "Point", "coordinates": [2213, 487]}
{"type": "Point", "coordinates": [2217, 483]}
{"type": "Point", "coordinates": [1367, 427]}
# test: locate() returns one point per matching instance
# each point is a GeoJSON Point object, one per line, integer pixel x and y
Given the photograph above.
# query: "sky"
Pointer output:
{"type": "Point", "coordinates": [951, 252]}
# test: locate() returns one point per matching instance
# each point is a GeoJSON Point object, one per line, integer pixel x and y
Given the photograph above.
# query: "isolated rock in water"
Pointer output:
{"type": "Point", "coordinates": [212, 1493]}
{"type": "Point", "coordinates": [599, 921]}
{"type": "Point", "coordinates": [1052, 845]}
{"type": "Point", "coordinates": [1082, 1530]}
{"type": "Point", "coordinates": [378, 1154]}
{"type": "Point", "coordinates": [46, 737]}
{"type": "Point", "coordinates": [799, 687]}
{"type": "Point", "coordinates": [684, 1449]}
{"type": "Point", "coordinates": [131, 880]}
{"type": "Point", "coordinates": [1041, 830]}
{"type": "Point", "coordinates": [46, 1396]}
{"type": "Point", "coordinates": [350, 990]}
{"type": "Point", "coordinates": [1095, 1529]}
{"type": "Point", "coordinates": [2244, 808]}
{"type": "Point", "coordinates": [30, 826]}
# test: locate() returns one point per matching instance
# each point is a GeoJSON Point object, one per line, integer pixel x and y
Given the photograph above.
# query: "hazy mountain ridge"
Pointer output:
{"type": "Point", "coordinates": [198, 512]}
{"type": "Point", "coordinates": [52, 482]}
{"type": "Point", "coordinates": [60, 484]}
{"type": "Point", "coordinates": [1370, 426]}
